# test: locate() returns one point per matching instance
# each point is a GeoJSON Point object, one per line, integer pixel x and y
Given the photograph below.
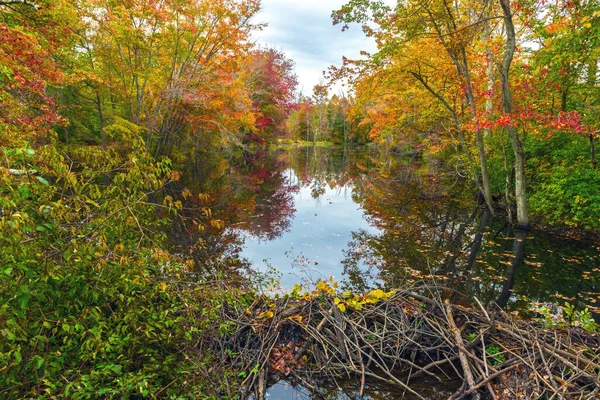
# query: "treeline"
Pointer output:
{"type": "Point", "coordinates": [326, 117]}
{"type": "Point", "coordinates": [506, 90]}
{"type": "Point", "coordinates": [323, 118]}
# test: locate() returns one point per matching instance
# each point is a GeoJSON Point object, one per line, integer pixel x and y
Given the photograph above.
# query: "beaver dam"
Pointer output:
{"type": "Point", "coordinates": [400, 338]}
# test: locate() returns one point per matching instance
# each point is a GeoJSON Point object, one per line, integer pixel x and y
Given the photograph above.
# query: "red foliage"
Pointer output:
{"type": "Point", "coordinates": [26, 71]}
{"type": "Point", "coordinates": [273, 88]}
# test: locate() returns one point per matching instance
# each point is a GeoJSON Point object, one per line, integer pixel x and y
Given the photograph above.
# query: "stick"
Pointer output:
{"type": "Point", "coordinates": [461, 349]}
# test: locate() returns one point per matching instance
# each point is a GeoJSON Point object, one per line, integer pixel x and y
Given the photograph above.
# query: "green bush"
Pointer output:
{"type": "Point", "coordinates": [88, 309]}
{"type": "Point", "coordinates": [569, 196]}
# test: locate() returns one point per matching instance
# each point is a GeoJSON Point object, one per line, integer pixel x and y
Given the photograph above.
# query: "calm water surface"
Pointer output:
{"type": "Point", "coordinates": [312, 247]}
{"type": "Point", "coordinates": [371, 219]}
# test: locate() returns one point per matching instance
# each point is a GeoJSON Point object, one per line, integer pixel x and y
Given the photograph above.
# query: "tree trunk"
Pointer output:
{"type": "Point", "coordinates": [564, 96]}
{"type": "Point", "coordinates": [101, 118]}
{"type": "Point", "coordinates": [508, 174]}
{"type": "Point", "coordinates": [513, 136]}
{"type": "Point", "coordinates": [489, 73]}
{"type": "Point", "coordinates": [307, 124]}
{"type": "Point", "coordinates": [485, 177]}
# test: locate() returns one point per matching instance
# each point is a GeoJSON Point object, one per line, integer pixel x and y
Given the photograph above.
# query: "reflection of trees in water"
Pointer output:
{"type": "Point", "coordinates": [429, 224]}
{"type": "Point", "coordinates": [251, 193]}
{"type": "Point", "coordinates": [431, 229]}
{"type": "Point", "coordinates": [273, 196]}
{"type": "Point", "coordinates": [320, 167]}
{"type": "Point", "coordinates": [513, 265]}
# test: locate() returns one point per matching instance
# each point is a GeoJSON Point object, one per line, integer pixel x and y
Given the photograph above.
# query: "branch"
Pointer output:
{"type": "Point", "coordinates": [19, 172]}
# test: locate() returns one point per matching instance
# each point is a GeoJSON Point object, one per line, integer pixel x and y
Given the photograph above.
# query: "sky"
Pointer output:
{"type": "Point", "coordinates": [304, 31]}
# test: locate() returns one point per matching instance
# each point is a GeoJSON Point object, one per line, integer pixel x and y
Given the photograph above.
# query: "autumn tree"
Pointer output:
{"type": "Point", "coordinates": [31, 42]}
{"type": "Point", "coordinates": [170, 67]}
{"type": "Point", "coordinates": [566, 64]}
{"type": "Point", "coordinates": [272, 85]}
{"type": "Point", "coordinates": [454, 30]}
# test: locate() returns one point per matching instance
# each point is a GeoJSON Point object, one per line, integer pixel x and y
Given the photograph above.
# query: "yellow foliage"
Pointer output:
{"type": "Point", "coordinates": [266, 315]}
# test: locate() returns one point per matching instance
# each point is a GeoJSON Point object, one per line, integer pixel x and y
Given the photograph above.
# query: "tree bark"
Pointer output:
{"type": "Point", "coordinates": [513, 136]}
{"type": "Point", "coordinates": [101, 119]}
{"type": "Point", "coordinates": [509, 173]}
{"type": "Point", "coordinates": [489, 71]}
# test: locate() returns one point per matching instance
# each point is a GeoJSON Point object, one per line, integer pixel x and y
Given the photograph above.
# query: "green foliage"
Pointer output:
{"type": "Point", "coordinates": [570, 196]}
{"type": "Point", "coordinates": [88, 307]}
{"type": "Point", "coordinates": [567, 315]}
{"type": "Point", "coordinates": [495, 355]}
{"type": "Point", "coordinates": [582, 319]}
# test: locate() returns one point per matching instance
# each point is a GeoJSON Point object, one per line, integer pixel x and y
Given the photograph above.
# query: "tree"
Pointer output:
{"type": "Point", "coordinates": [272, 84]}
{"type": "Point", "coordinates": [507, 107]}
{"type": "Point", "coordinates": [452, 29]}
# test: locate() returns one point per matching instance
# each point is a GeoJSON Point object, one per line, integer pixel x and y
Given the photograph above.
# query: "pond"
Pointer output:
{"type": "Point", "coordinates": [367, 218]}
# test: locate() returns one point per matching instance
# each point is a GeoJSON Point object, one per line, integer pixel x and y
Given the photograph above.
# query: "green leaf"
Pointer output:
{"type": "Point", "coordinates": [23, 300]}
{"type": "Point", "coordinates": [42, 180]}
{"type": "Point", "coordinates": [9, 334]}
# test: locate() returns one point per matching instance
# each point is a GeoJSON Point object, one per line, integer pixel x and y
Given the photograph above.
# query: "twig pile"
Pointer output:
{"type": "Point", "coordinates": [405, 337]}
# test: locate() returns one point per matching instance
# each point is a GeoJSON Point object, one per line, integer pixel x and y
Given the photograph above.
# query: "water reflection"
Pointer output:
{"type": "Point", "coordinates": [350, 390]}
{"type": "Point", "coordinates": [376, 219]}
{"type": "Point", "coordinates": [324, 216]}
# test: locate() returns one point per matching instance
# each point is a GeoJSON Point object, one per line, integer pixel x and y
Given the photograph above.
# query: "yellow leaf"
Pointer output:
{"type": "Point", "coordinates": [266, 315]}
{"type": "Point", "coordinates": [336, 300]}
{"type": "Point", "coordinates": [342, 307]}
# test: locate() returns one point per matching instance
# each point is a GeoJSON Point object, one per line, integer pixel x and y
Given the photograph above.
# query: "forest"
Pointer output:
{"type": "Point", "coordinates": [144, 142]}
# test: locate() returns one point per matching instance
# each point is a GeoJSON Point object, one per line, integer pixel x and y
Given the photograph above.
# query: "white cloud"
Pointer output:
{"type": "Point", "coordinates": [304, 31]}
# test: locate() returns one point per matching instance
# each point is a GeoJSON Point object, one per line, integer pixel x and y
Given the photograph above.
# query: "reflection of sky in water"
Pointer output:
{"type": "Point", "coordinates": [284, 390]}
{"type": "Point", "coordinates": [321, 228]}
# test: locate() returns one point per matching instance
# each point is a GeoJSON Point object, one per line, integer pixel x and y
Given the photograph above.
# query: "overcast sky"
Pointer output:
{"type": "Point", "coordinates": [304, 31]}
